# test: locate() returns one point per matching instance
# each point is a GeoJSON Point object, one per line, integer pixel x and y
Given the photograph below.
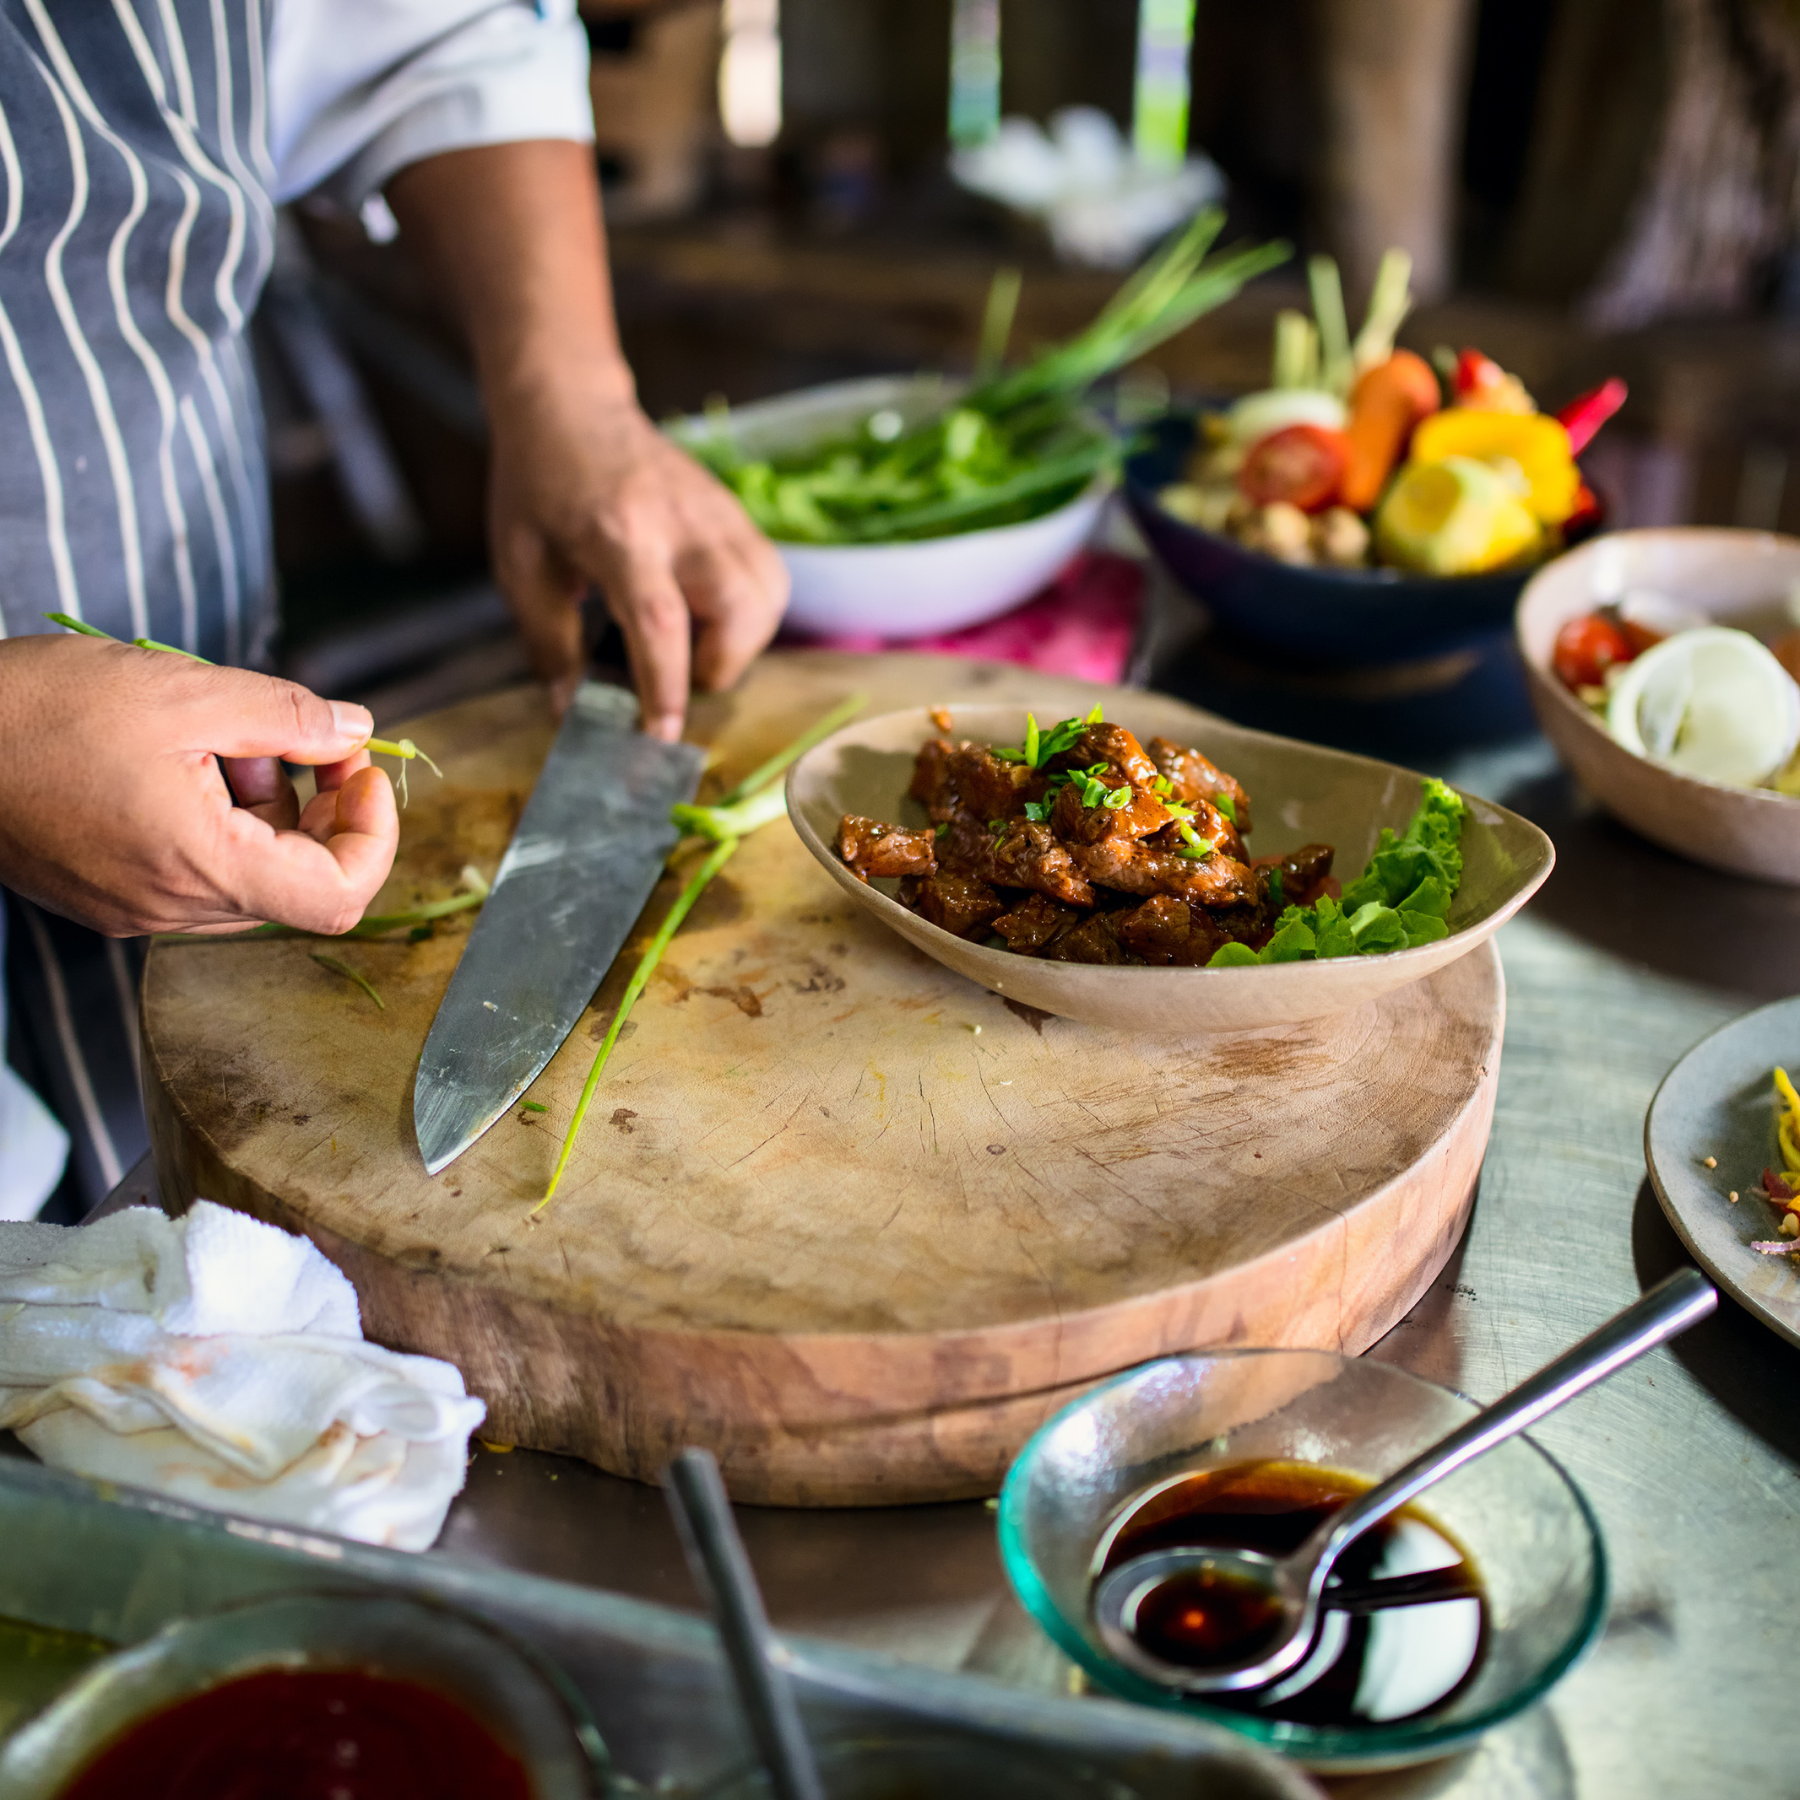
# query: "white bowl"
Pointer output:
{"type": "Point", "coordinates": [1739, 578]}
{"type": "Point", "coordinates": [913, 589]}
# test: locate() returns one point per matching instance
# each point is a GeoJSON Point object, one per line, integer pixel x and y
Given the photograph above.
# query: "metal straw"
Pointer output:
{"type": "Point", "coordinates": [722, 1571]}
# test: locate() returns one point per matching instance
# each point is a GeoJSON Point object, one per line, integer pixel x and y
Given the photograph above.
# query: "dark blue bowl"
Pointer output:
{"type": "Point", "coordinates": [1322, 617]}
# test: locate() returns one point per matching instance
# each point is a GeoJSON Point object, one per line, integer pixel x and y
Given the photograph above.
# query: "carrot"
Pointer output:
{"type": "Point", "coordinates": [1385, 405]}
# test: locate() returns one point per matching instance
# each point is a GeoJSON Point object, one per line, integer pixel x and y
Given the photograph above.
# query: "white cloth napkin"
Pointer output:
{"type": "Point", "coordinates": [217, 1359]}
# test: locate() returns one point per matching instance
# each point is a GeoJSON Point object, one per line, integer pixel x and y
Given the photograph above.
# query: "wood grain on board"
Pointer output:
{"type": "Point", "coordinates": [854, 1223]}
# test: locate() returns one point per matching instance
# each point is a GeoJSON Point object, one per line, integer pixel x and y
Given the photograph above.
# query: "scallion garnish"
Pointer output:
{"type": "Point", "coordinates": [755, 801]}
{"type": "Point", "coordinates": [404, 748]}
{"type": "Point", "coordinates": [338, 967]}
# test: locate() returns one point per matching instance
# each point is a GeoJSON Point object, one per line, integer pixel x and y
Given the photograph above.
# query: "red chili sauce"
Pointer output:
{"type": "Point", "coordinates": [306, 1734]}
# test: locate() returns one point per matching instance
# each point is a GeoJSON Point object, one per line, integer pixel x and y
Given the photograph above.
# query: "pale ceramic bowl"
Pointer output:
{"type": "Point", "coordinates": [1300, 793]}
{"type": "Point", "coordinates": [1735, 577]}
{"type": "Point", "coordinates": [902, 590]}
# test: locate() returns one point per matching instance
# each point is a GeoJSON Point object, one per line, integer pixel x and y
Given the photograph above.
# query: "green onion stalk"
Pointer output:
{"type": "Point", "coordinates": [755, 801]}
{"type": "Point", "coordinates": [403, 748]}
{"type": "Point", "coordinates": [1018, 444]}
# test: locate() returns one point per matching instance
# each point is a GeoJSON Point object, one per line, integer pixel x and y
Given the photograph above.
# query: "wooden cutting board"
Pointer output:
{"type": "Point", "coordinates": [854, 1223]}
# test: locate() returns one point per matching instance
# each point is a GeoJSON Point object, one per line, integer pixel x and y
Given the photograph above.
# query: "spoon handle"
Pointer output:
{"type": "Point", "coordinates": [1668, 1309]}
{"type": "Point", "coordinates": [721, 1569]}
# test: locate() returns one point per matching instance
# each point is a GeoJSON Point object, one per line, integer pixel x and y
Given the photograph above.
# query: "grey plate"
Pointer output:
{"type": "Point", "coordinates": [1719, 1101]}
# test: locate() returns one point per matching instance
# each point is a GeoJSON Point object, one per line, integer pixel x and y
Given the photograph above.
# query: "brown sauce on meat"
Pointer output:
{"type": "Point", "coordinates": [1107, 851]}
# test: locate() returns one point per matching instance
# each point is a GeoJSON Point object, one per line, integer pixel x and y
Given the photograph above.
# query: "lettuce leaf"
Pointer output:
{"type": "Point", "coordinates": [1401, 900]}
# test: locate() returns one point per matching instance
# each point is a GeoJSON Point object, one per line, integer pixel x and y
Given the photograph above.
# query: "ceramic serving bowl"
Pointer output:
{"type": "Point", "coordinates": [1521, 1522]}
{"type": "Point", "coordinates": [1358, 617]}
{"type": "Point", "coordinates": [1742, 578]}
{"type": "Point", "coordinates": [523, 1702]}
{"type": "Point", "coordinates": [911, 589]}
{"type": "Point", "coordinates": [1302, 793]}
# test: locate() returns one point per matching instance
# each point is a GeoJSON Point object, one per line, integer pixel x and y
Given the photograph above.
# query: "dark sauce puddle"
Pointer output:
{"type": "Point", "coordinates": [1405, 1663]}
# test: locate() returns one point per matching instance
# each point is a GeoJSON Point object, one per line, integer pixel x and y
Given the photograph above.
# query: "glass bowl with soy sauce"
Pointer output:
{"type": "Point", "coordinates": [1456, 1614]}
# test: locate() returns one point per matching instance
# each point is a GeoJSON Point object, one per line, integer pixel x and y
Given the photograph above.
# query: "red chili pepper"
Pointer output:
{"type": "Point", "coordinates": [1582, 418]}
{"type": "Point", "coordinates": [1476, 373]}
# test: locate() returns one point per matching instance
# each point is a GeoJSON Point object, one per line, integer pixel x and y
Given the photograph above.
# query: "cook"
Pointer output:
{"type": "Point", "coordinates": [142, 152]}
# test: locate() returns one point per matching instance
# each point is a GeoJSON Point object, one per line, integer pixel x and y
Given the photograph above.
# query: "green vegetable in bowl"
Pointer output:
{"type": "Point", "coordinates": [1401, 900]}
{"type": "Point", "coordinates": [1017, 445]}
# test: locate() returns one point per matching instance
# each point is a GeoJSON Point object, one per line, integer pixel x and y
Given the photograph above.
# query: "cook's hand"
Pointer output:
{"type": "Point", "coordinates": [587, 490]}
{"type": "Point", "coordinates": [113, 810]}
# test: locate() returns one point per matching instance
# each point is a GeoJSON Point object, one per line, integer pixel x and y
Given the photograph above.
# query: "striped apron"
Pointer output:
{"type": "Point", "coordinates": [136, 230]}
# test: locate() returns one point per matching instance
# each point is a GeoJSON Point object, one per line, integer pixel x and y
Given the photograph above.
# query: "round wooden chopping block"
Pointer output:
{"type": "Point", "coordinates": [850, 1221]}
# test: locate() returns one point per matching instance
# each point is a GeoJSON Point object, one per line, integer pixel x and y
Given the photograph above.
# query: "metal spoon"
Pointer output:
{"type": "Point", "coordinates": [1284, 1596]}
{"type": "Point", "coordinates": [722, 1571]}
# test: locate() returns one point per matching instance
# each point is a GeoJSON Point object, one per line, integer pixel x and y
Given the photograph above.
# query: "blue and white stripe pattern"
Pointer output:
{"type": "Point", "coordinates": [143, 146]}
{"type": "Point", "coordinates": [136, 229]}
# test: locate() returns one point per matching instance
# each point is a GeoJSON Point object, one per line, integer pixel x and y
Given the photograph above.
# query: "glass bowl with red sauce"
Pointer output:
{"type": "Point", "coordinates": [313, 1697]}
{"type": "Point", "coordinates": [1504, 1561]}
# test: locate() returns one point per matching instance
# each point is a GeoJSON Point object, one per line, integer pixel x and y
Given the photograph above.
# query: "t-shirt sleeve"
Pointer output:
{"type": "Point", "coordinates": [358, 89]}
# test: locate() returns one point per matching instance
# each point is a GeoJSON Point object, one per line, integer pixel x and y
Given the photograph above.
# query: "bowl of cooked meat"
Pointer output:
{"type": "Point", "coordinates": [1100, 868]}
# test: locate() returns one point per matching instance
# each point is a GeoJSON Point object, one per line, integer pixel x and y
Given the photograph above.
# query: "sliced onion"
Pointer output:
{"type": "Point", "coordinates": [1713, 703]}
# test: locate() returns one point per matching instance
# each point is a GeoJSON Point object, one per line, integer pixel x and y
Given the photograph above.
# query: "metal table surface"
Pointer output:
{"type": "Point", "coordinates": [1626, 958]}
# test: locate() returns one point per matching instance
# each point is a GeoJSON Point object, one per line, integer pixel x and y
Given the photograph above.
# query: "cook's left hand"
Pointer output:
{"type": "Point", "coordinates": [586, 490]}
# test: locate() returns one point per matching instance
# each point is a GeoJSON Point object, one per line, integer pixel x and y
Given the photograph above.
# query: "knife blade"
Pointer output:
{"type": "Point", "coordinates": [584, 860]}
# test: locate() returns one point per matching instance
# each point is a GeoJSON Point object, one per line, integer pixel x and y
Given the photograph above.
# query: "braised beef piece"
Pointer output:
{"type": "Point", "coordinates": [958, 904]}
{"type": "Point", "coordinates": [951, 778]}
{"type": "Point", "coordinates": [870, 848]}
{"type": "Point", "coordinates": [1075, 822]}
{"type": "Point", "coordinates": [1168, 933]}
{"type": "Point", "coordinates": [1138, 868]}
{"type": "Point", "coordinates": [1109, 744]}
{"type": "Point", "coordinates": [1192, 777]}
{"type": "Point", "coordinates": [1035, 922]}
{"type": "Point", "coordinates": [1207, 823]}
{"type": "Point", "coordinates": [1094, 940]}
{"type": "Point", "coordinates": [1304, 872]}
{"type": "Point", "coordinates": [1028, 856]}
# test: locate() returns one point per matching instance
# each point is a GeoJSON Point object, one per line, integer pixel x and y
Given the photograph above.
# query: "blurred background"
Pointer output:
{"type": "Point", "coordinates": [804, 190]}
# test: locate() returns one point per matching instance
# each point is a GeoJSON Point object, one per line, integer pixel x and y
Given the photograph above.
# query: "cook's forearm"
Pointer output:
{"type": "Point", "coordinates": [514, 233]}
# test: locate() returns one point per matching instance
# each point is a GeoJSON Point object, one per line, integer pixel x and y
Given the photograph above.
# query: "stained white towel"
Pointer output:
{"type": "Point", "coordinates": [221, 1360]}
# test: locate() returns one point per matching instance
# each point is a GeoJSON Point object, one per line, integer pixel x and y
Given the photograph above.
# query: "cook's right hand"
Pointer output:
{"type": "Point", "coordinates": [114, 811]}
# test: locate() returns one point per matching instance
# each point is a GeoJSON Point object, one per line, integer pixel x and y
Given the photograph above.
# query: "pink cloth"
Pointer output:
{"type": "Point", "coordinates": [1083, 625]}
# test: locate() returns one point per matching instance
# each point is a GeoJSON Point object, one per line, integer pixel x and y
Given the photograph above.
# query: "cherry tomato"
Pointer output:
{"type": "Point", "coordinates": [1301, 464]}
{"type": "Point", "coordinates": [1587, 647]}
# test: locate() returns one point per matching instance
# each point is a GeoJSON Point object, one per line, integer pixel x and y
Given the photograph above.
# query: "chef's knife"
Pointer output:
{"type": "Point", "coordinates": [583, 862]}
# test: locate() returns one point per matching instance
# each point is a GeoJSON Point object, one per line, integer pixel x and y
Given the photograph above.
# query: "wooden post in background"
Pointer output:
{"type": "Point", "coordinates": [1392, 75]}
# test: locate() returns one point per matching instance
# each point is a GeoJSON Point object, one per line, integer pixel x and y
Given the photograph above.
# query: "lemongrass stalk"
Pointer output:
{"type": "Point", "coordinates": [338, 967]}
{"type": "Point", "coordinates": [1327, 289]}
{"type": "Point", "coordinates": [1390, 300]}
{"type": "Point", "coordinates": [640, 977]}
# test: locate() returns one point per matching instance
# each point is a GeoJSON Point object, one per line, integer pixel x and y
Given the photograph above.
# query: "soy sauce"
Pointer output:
{"type": "Point", "coordinates": [306, 1734]}
{"type": "Point", "coordinates": [1401, 1663]}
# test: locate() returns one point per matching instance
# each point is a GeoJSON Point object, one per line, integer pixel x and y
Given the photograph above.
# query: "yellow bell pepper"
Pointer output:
{"type": "Point", "coordinates": [1531, 450]}
{"type": "Point", "coordinates": [1455, 517]}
